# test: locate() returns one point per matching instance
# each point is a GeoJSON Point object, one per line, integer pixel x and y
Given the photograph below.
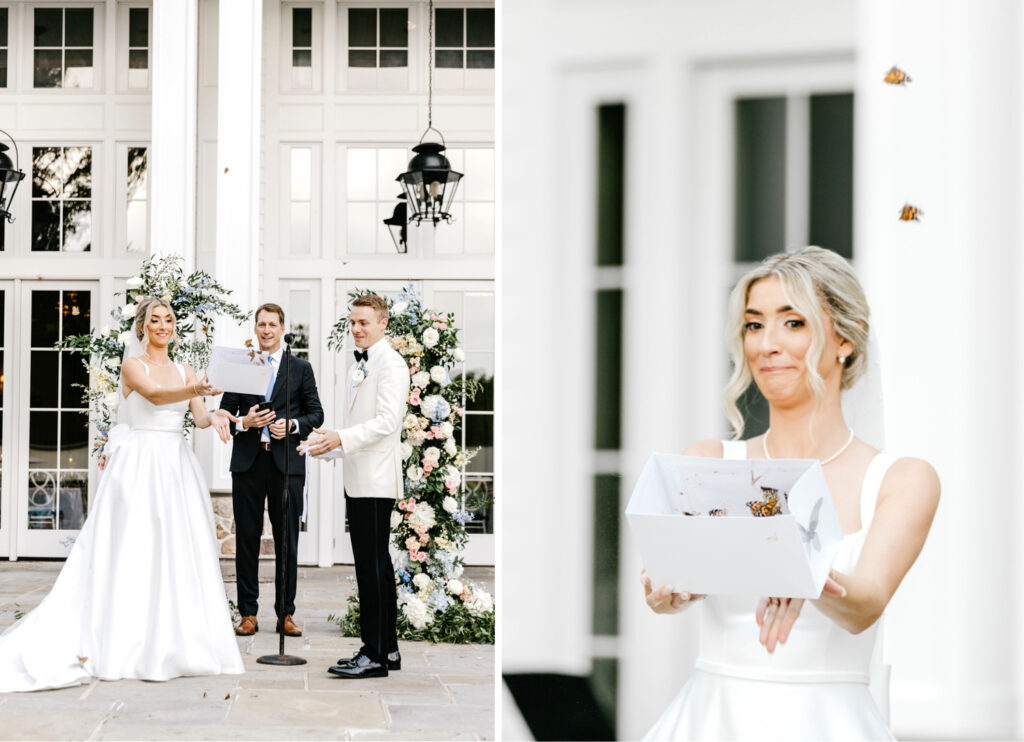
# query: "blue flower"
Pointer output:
{"type": "Point", "coordinates": [462, 516]}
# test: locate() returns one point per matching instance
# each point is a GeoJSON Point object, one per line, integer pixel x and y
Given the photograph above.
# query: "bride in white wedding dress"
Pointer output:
{"type": "Point", "coordinates": [141, 594]}
{"type": "Point", "coordinates": [778, 669]}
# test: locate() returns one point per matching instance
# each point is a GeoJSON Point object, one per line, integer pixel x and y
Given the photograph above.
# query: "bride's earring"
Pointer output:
{"type": "Point", "coordinates": [842, 360]}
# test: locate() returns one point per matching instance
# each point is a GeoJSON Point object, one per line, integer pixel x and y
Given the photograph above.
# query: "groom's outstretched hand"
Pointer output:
{"type": "Point", "coordinates": [320, 442]}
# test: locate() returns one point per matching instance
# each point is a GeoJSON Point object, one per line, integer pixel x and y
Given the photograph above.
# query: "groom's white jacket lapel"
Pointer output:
{"type": "Point", "coordinates": [371, 439]}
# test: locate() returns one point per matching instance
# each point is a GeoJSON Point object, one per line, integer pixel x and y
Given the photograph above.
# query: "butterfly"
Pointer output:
{"type": "Point", "coordinates": [810, 534]}
{"type": "Point", "coordinates": [910, 213]}
{"type": "Point", "coordinates": [896, 76]}
{"type": "Point", "coordinates": [717, 512]}
{"type": "Point", "coordinates": [82, 660]}
{"type": "Point", "coordinates": [767, 506]}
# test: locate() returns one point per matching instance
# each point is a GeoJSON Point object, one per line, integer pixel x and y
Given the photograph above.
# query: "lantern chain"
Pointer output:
{"type": "Point", "coordinates": [430, 67]}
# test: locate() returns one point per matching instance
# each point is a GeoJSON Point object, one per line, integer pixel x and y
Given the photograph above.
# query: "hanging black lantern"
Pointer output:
{"type": "Point", "coordinates": [397, 226]}
{"type": "Point", "coordinates": [430, 183]}
{"type": "Point", "coordinates": [11, 176]}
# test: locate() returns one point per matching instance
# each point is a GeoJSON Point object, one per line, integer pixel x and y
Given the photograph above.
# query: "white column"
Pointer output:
{"type": "Point", "coordinates": [239, 87]}
{"type": "Point", "coordinates": [942, 293]}
{"type": "Point", "coordinates": [172, 153]}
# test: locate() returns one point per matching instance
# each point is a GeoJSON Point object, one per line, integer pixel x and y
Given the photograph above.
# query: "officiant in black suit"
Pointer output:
{"type": "Point", "coordinates": [257, 471]}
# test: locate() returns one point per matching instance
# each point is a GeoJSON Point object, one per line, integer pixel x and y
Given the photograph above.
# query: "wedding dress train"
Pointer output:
{"type": "Point", "coordinates": [141, 594]}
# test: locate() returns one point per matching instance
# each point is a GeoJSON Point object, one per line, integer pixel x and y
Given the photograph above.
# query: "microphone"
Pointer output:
{"type": "Point", "coordinates": [289, 338]}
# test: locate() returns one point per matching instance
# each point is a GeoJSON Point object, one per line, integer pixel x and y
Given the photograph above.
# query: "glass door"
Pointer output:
{"type": "Point", "coordinates": [54, 478]}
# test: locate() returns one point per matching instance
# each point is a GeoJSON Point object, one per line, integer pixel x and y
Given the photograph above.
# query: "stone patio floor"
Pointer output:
{"type": "Point", "coordinates": [443, 692]}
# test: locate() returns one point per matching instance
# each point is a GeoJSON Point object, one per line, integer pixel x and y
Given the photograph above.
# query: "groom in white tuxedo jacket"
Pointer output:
{"type": "Point", "coordinates": [370, 443]}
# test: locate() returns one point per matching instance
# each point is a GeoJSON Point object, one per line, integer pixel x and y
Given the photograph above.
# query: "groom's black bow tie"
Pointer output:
{"type": "Point", "coordinates": [361, 355]}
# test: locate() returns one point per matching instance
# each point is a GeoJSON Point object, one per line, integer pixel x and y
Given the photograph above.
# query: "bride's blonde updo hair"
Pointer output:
{"type": "Point", "coordinates": [813, 279]}
{"type": "Point", "coordinates": [145, 311]}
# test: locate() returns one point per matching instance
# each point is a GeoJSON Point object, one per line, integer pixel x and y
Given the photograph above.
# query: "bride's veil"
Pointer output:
{"type": "Point", "coordinates": [120, 423]}
{"type": "Point", "coordinates": [863, 406]}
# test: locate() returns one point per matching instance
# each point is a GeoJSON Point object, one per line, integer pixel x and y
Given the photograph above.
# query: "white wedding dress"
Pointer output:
{"type": "Point", "coordinates": [141, 594]}
{"type": "Point", "coordinates": [824, 683]}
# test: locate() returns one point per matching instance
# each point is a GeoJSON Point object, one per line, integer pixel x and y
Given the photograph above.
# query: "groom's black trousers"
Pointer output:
{"type": "Point", "coordinates": [250, 489]}
{"type": "Point", "coordinates": [369, 526]}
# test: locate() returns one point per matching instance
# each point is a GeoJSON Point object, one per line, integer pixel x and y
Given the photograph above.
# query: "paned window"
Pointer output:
{"type": "Point", "coordinates": [371, 197]}
{"type": "Point", "coordinates": [300, 201]}
{"type": "Point", "coordinates": [464, 38]}
{"type": "Point", "coordinates": [472, 230]}
{"type": "Point", "coordinates": [474, 316]}
{"type": "Point", "coordinates": [302, 48]}
{"type": "Point", "coordinates": [138, 48]}
{"type": "Point", "coordinates": [63, 48]}
{"type": "Point", "coordinates": [58, 431]}
{"type": "Point", "coordinates": [378, 37]}
{"type": "Point", "coordinates": [3, 307]}
{"type": "Point", "coordinates": [61, 199]}
{"type": "Point", "coordinates": [137, 206]}
{"type": "Point", "coordinates": [4, 45]}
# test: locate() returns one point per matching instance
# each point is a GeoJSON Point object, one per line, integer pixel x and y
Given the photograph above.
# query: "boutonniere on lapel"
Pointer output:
{"type": "Point", "coordinates": [358, 373]}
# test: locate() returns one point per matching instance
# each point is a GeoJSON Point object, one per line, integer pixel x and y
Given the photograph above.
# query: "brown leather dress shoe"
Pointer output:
{"type": "Point", "coordinates": [247, 627]}
{"type": "Point", "coordinates": [290, 629]}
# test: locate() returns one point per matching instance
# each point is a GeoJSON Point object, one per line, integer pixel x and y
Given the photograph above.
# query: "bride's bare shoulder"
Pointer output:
{"type": "Point", "coordinates": [709, 449]}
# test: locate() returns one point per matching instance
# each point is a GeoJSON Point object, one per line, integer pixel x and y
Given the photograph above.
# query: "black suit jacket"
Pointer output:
{"type": "Point", "coordinates": [305, 403]}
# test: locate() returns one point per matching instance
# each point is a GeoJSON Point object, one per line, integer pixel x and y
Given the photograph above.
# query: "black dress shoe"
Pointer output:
{"type": "Point", "coordinates": [394, 661]}
{"type": "Point", "coordinates": [361, 667]}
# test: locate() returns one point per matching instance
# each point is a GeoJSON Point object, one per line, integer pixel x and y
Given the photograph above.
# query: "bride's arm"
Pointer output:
{"type": "Point", "coordinates": [903, 516]}
{"type": "Point", "coordinates": [667, 598]}
{"type": "Point", "coordinates": [135, 378]}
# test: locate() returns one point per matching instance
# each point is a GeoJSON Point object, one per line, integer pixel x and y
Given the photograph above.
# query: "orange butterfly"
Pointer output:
{"type": "Point", "coordinates": [910, 213]}
{"type": "Point", "coordinates": [896, 76]}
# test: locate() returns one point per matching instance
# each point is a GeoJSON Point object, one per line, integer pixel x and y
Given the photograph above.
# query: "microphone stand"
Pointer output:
{"type": "Point", "coordinates": [282, 567]}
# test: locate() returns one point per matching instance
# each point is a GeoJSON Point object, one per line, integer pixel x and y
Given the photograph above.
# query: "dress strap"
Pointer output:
{"type": "Point", "coordinates": [181, 370]}
{"type": "Point", "coordinates": [734, 450]}
{"type": "Point", "coordinates": [872, 483]}
{"type": "Point", "coordinates": [144, 364]}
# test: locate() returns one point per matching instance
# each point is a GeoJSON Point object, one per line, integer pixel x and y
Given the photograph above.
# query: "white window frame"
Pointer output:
{"type": "Point", "coordinates": [120, 248]}
{"type": "Point", "coordinates": [458, 212]}
{"type": "Point", "coordinates": [97, 247]}
{"type": "Point", "coordinates": [391, 79]}
{"type": "Point", "coordinates": [465, 79]}
{"type": "Point", "coordinates": [384, 208]}
{"type": "Point", "coordinates": [285, 67]}
{"type": "Point", "coordinates": [315, 200]}
{"type": "Point", "coordinates": [123, 48]}
{"type": "Point", "coordinates": [12, 29]}
{"type": "Point", "coordinates": [8, 513]}
{"type": "Point", "coordinates": [27, 53]}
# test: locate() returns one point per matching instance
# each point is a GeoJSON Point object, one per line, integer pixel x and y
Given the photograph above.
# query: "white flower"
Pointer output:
{"type": "Point", "coordinates": [414, 473]}
{"type": "Point", "coordinates": [430, 337]}
{"type": "Point", "coordinates": [440, 375]}
{"type": "Point", "coordinates": [434, 406]}
{"type": "Point", "coordinates": [124, 337]}
{"type": "Point", "coordinates": [447, 429]}
{"type": "Point", "coordinates": [432, 454]}
{"type": "Point", "coordinates": [459, 355]}
{"type": "Point", "coordinates": [454, 587]}
{"type": "Point", "coordinates": [110, 399]}
{"type": "Point", "coordinates": [396, 519]}
{"type": "Point", "coordinates": [480, 603]}
{"type": "Point", "coordinates": [457, 571]}
{"type": "Point", "coordinates": [357, 375]}
{"type": "Point", "coordinates": [128, 310]}
{"type": "Point", "coordinates": [410, 422]}
{"type": "Point", "coordinates": [420, 379]}
{"type": "Point", "coordinates": [398, 308]}
{"type": "Point", "coordinates": [450, 504]}
{"type": "Point", "coordinates": [416, 612]}
{"type": "Point", "coordinates": [449, 447]}
{"type": "Point", "coordinates": [421, 581]}
{"type": "Point", "coordinates": [105, 330]}
{"type": "Point", "coordinates": [422, 518]}
{"type": "Point", "coordinates": [135, 282]}
{"type": "Point", "coordinates": [453, 473]}
{"type": "Point", "coordinates": [406, 450]}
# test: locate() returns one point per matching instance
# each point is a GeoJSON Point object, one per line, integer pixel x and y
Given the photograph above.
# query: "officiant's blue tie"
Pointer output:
{"type": "Point", "coordinates": [270, 391]}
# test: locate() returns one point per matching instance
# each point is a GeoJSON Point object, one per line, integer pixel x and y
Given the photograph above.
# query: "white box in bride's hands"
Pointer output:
{"type": "Point", "coordinates": [239, 370]}
{"type": "Point", "coordinates": [695, 524]}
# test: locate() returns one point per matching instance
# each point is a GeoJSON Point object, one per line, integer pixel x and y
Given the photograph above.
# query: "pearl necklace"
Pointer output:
{"type": "Point", "coordinates": [162, 365]}
{"type": "Point", "coordinates": [833, 457]}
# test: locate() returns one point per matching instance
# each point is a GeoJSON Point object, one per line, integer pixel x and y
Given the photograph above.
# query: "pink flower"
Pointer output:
{"type": "Point", "coordinates": [420, 557]}
{"type": "Point", "coordinates": [412, 544]}
{"type": "Point", "coordinates": [414, 396]}
{"type": "Point", "coordinates": [427, 468]}
{"type": "Point", "coordinates": [429, 434]}
{"type": "Point", "coordinates": [436, 431]}
{"type": "Point", "coordinates": [424, 538]}
{"type": "Point", "coordinates": [439, 325]}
